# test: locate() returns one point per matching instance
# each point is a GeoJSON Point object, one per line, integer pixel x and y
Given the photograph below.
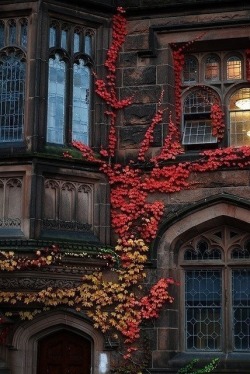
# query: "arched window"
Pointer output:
{"type": "Point", "coordinates": [216, 270]}
{"type": "Point", "coordinates": [12, 95]}
{"type": "Point", "coordinates": [81, 101]}
{"type": "Point", "coordinates": [212, 68]}
{"type": "Point", "coordinates": [234, 68]}
{"type": "Point", "coordinates": [239, 111]}
{"type": "Point", "coordinates": [56, 100]}
{"type": "Point", "coordinates": [190, 69]}
{"type": "Point", "coordinates": [197, 122]}
{"type": "Point", "coordinates": [68, 112]}
{"type": "Point", "coordinates": [13, 44]}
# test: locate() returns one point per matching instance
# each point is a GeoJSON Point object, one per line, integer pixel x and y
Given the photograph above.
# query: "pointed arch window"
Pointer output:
{"type": "Point", "coordinates": [214, 264]}
{"type": "Point", "coordinates": [13, 44]}
{"type": "Point", "coordinates": [69, 88]}
{"type": "Point", "coordinates": [12, 95]}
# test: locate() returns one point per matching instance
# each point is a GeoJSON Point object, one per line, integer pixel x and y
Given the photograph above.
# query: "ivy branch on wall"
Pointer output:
{"type": "Point", "coordinates": [120, 306]}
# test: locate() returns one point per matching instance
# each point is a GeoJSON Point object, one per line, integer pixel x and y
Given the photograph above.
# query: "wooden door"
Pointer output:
{"type": "Point", "coordinates": [64, 353]}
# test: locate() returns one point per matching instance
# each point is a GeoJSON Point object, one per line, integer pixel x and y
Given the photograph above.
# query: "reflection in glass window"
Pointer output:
{"type": "Point", "coordinates": [24, 33]}
{"type": "Point", "coordinates": [12, 94]}
{"type": "Point", "coordinates": [52, 36]}
{"type": "Point", "coordinates": [88, 44]}
{"type": "Point", "coordinates": [212, 68]}
{"type": "Point", "coordinates": [76, 41]}
{"type": "Point", "coordinates": [234, 68]}
{"type": "Point", "coordinates": [64, 36]}
{"type": "Point", "coordinates": [12, 32]}
{"type": "Point", "coordinates": [69, 83]}
{"type": "Point", "coordinates": [80, 122]}
{"type": "Point", "coordinates": [56, 100]}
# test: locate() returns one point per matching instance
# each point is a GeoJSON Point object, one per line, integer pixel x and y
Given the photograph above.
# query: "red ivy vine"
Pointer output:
{"type": "Point", "coordinates": [122, 305]}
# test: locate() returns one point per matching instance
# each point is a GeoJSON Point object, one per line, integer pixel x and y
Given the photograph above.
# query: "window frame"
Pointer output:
{"type": "Point", "coordinates": [226, 265]}
{"type": "Point", "coordinates": [19, 49]}
{"type": "Point", "coordinates": [72, 57]}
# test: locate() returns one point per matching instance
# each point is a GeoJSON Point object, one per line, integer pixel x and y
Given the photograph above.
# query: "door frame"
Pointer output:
{"type": "Point", "coordinates": [24, 348]}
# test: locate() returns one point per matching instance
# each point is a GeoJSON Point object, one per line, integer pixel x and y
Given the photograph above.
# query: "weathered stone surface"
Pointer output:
{"type": "Point", "coordinates": [132, 136]}
{"type": "Point", "coordinates": [142, 95]}
{"type": "Point", "coordinates": [139, 76]}
{"type": "Point", "coordinates": [139, 114]}
{"type": "Point", "coordinates": [136, 42]}
{"type": "Point", "coordinates": [128, 59]}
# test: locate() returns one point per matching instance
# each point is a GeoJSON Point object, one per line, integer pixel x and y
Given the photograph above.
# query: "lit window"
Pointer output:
{"type": "Point", "coordinates": [234, 68]}
{"type": "Point", "coordinates": [239, 111]}
{"type": "Point", "coordinates": [212, 68]}
{"type": "Point", "coordinates": [209, 314]}
{"type": "Point", "coordinates": [69, 83]}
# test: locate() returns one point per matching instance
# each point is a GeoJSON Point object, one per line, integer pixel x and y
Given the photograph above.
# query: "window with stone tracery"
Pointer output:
{"type": "Point", "coordinates": [216, 274]}
{"type": "Point", "coordinates": [69, 83]}
{"type": "Point", "coordinates": [13, 46]}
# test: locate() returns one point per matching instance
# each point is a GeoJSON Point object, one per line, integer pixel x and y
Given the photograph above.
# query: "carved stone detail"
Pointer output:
{"type": "Point", "coordinates": [68, 205]}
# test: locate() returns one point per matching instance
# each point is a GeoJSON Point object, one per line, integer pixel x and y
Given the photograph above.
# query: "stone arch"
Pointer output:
{"type": "Point", "coordinates": [26, 336]}
{"type": "Point", "coordinates": [202, 216]}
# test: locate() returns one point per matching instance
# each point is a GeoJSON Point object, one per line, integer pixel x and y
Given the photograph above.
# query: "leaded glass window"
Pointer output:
{"type": "Point", "coordinates": [13, 43]}
{"type": "Point", "coordinates": [56, 100]}
{"type": "Point", "coordinates": [216, 269]}
{"type": "Point", "coordinates": [190, 69]}
{"type": "Point", "coordinates": [68, 112]}
{"type": "Point", "coordinates": [239, 111]}
{"type": "Point", "coordinates": [209, 77]}
{"type": "Point", "coordinates": [241, 309]}
{"type": "Point", "coordinates": [212, 68]}
{"type": "Point", "coordinates": [80, 118]}
{"type": "Point", "coordinates": [197, 122]}
{"type": "Point", "coordinates": [12, 94]}
{"type": "Point", "coordinates": [234, 67]}
{"type": "Point", "coordinates": [203, 297]}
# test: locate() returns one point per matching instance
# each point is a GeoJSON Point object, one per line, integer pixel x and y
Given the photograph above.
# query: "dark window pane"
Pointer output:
{"type": "Point", "coordinates": [203, 298]}
{"type": "Point", "coordinates": [190, 70]}
{"type": "Point", "coordinates": [1, 34]}
{"type": "Point", "coordinates": [241, 309]}
{"type": "Point", "coordinates": [12, 94]}
{"type": "Point", "coordinates": [12, 32]}
{"type": "Point", "coordinates": [24, 33]}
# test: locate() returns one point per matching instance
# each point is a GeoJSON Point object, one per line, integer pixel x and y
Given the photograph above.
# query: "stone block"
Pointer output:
{"type": "Point", "coordinates": [139, 114]}
{"type": "Point", "coordinates": [132, 136]}
{"type": "Point", "coordinates": [139, 76]}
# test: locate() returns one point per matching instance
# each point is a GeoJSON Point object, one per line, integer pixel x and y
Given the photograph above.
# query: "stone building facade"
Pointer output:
{"type": "Point", "coordinates": [47, 51]}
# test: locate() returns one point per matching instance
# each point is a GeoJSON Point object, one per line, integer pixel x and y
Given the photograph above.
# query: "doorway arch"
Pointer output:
{"type": "Point", "coordinates": [64, 352]}
{"type": "Point", "coordinates": [26, 339]}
